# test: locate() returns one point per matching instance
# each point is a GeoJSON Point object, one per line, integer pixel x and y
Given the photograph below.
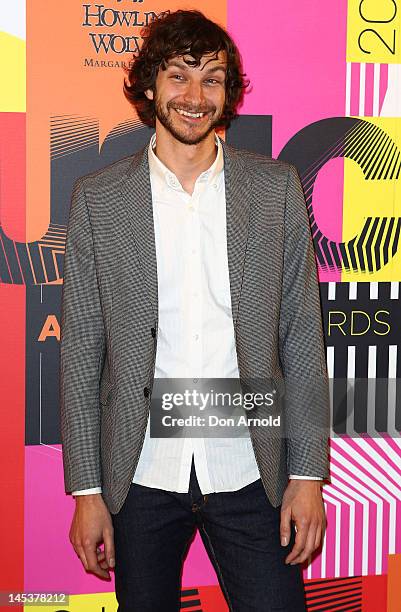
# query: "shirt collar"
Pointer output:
{"type": "Point", "coordinates": [159, 170]}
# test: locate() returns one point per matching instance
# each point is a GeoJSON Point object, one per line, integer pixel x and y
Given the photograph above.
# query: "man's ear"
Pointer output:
{"type": "Point", "coordinates": [149, 93]}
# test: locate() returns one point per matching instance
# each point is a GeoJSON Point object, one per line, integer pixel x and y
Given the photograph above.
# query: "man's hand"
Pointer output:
{"type": "Point", "coordinates": [302, 503]}
{"type": "Point", "coordinates": [91, 525]}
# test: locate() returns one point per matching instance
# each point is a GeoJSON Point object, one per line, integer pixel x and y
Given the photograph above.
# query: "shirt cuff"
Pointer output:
{"type": "Point", "coordinates": [87, 491]}
{"type": "Point", "coordinates": [295, 477]}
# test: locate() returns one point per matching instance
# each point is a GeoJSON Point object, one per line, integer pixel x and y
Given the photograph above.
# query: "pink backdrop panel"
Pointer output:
{"type": "Point", "coordinates": [294, 54]}
{"type": "Point", "coordinates": [295, 57]}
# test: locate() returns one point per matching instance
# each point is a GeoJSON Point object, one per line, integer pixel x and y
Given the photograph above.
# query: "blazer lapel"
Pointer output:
{"type": "Point", "coordinates": [238, 185]}
{"type": "Point", "coordinates": [137, 195]}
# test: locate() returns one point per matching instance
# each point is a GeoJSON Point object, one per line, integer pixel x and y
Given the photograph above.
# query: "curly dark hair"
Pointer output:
{"type": "Point", "coordinates": [176, 34]}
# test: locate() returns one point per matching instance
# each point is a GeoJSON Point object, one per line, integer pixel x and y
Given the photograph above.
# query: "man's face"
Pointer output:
{"type": "Point", "coordinates": [189, 100]}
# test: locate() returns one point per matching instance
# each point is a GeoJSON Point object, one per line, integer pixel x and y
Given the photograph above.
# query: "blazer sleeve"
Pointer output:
{"type": "Point", "coordinates": [301, 343]}
{"type": "Point", "coordinates": [82, 352]}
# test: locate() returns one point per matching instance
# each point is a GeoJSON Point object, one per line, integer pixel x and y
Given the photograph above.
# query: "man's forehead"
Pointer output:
{"type": "Point", "coordinates": [209, 60]}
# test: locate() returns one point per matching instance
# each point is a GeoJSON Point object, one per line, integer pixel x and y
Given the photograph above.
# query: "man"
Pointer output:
{"type": "Point", "coordinates": [191, 259]}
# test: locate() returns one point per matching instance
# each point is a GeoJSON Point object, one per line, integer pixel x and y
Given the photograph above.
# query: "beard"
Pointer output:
{"type": "Point", "coordinates": [190, 135]}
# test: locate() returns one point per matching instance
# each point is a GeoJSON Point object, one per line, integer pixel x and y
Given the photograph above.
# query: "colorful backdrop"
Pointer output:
{"type": "Point", "coordinates": [326, 96]}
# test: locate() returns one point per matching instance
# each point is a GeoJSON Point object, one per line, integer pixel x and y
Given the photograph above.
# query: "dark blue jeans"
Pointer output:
{"type": "Point", "coordinates": [240, 531]}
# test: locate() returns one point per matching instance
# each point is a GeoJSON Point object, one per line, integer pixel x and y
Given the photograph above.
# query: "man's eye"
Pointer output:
{"type": "Point", "coordinates": [177, 76]}
{"type": "Point", "coordinates": [213, 81]}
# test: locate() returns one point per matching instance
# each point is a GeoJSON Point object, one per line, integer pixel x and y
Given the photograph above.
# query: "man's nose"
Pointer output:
{"type": "Point", "coordinates": [194, 93]}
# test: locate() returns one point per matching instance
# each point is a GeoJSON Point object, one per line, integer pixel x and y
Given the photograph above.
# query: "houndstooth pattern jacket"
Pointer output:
{"type": "Point", "coordinates": [109, 320]}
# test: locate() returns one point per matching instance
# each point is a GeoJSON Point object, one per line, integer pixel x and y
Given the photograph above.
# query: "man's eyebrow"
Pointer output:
{"type": "Point", "coordinates": [174, 63]}
{"type": "Point", "coordinates": [214, 68]}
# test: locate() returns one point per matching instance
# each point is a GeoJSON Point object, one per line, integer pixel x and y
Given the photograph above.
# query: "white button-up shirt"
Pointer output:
{"type": "Point", "coordinates": [195, 328]}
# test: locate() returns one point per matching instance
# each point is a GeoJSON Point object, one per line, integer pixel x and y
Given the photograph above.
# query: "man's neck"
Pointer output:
{"type": "Point", "coordinates": [187, 162]}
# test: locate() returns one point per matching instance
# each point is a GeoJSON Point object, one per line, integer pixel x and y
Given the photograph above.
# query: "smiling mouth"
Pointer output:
{"type": "Point", "coordinates": [195, 116]}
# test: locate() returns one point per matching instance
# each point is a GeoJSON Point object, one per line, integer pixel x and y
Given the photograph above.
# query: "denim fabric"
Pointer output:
{"type": "Point", "coordinates": [240, 531]}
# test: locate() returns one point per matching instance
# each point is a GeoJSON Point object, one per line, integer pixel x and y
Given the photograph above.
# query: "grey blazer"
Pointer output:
{"type": "Point", "coordinates": [109, 320]}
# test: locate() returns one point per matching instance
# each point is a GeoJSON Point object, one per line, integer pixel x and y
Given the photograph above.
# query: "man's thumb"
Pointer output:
{"type": "Point", "coordinates": [109, 548]}
{"type": "Point", "coordinates": [285, 528]}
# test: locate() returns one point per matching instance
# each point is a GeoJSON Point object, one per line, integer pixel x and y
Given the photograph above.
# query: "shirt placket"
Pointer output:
{"type": "Point", "coordinates": [198, 444]}
{"type": "Point", "coordinates": [193, 316]}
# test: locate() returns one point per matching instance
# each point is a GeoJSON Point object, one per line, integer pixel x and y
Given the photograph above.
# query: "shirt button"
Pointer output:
{"type": "Point", "coordinates": [172, 181]}
{"type": "Point", "coordinates": [191, 208]}
{"type": "Point", "coordinates": [146, 391]}
{"type": "Point", "coordinates": [196, 336]}
{"type": "Point", "coordinates": [153, 332]}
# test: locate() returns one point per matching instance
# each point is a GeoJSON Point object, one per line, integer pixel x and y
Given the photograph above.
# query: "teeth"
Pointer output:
{"type": "Point", "coordinates": [182, 112]}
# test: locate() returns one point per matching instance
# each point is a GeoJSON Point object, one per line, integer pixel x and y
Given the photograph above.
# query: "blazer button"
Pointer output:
{"type": "Point", "coordinates": [153, 332]}
{"type": "Point", "coordinates": [146, 391]}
